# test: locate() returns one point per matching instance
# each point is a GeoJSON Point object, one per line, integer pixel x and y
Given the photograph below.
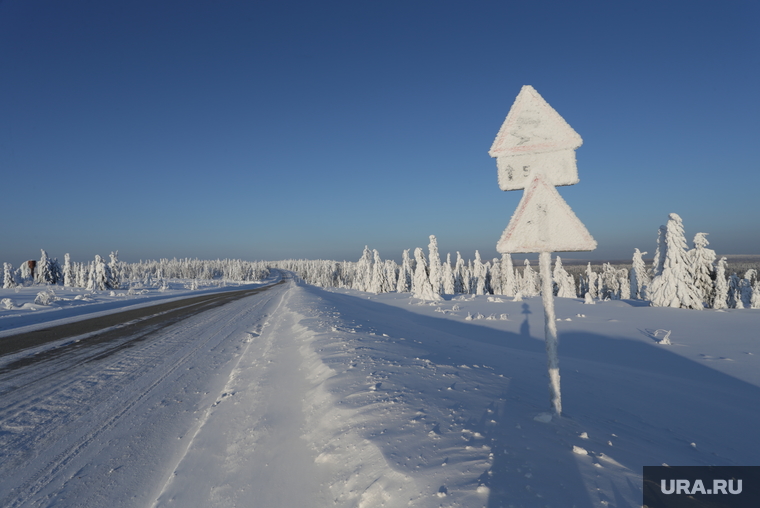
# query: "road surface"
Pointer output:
{"type": "Point", "coordinates": [104, 418]}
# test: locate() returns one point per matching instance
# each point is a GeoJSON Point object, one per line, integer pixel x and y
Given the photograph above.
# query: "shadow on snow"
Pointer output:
{"type": "Point", "coordinates": [639, 403]}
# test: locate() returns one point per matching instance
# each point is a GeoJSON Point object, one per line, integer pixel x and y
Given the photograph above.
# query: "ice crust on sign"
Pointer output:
{"type": "Point", "coordinates": [544, 222]}
{"type": "Point", "coordinates": [535, 140]}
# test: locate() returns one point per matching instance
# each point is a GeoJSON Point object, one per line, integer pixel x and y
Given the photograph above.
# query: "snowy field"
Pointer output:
{"type": "Point", "coordinates": [302, 396]}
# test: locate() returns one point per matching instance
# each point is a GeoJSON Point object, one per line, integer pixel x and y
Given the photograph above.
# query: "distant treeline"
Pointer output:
{"type": "Point", "coordinates": [100, 274]}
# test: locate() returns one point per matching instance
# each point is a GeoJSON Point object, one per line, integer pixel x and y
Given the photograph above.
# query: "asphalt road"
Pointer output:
{"type": "Point", "coordinates": [137, 323]}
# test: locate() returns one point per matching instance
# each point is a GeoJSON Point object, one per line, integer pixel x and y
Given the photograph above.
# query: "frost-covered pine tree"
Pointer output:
{"type": "Point", "coordinates": [702, 260]}
{"type": "Point", "coordinates": [44, 272]}
{"type": "Point", "coordinates": [25, 273]}
{"type": "Point", "coordinates": [436, 280]}
{"type": "Point", "coordinates": [363, 279]}
{"type": "Point", "coordinates": [488, 289]}
{"type": "Point", "coordinates": [391, 270]}
{"type": "Point", "coordinates": [755, 301]}
{"type": "Point", "coordinates": [421, 287]}
{"type": "Point", "coordinates": [459, 285]}
{"type": "Point", "coordinates": [610, 283]}
{"type": "Point", "coordinates": [114, 267]}
{"type": "Point", "coordinates": [529, 282]}
{"type": "Point", "coordinates": [448, 276]}
{"type": "Point", "coordinates": [9, 280]}
{"type": "Point", "coordinates": [659, 253]}
{"type": "Point", "coordinates": [745, 288]}
{"type": "Point", "coordinates": [734, 292]}
{"type": "Point", "coordinates": [101, 274]}
{"type": "Point", "coordinates": [508, 281]}
{"type": "Point", "coordinates": [91, 284]}
{"type": "Point", "coordinates": [469, 277]}
{"type": "Point", "coordinates": [591, 278]}
{"type": "Point", "coordinates": [564, 282]}
{"type": "Point", "coordinates": [639, 277]}
{"type": "Point", "coordinates": [68, 273]}
{"type": "Point", "coordinates": [404, 282]}
{"type": "Point", "coordinates": [495, 277]}
{"type": "Point", "coordinates": [82, 274]}
{"type": "Point", "coordinates": [378, 274]}
{"type": "Point", "coordinates": [674, 286]}
{"type": "Point", "coordinates": [624, 284]}
{"type": "Point", "coordinates": [479, 274]}
{"type": "Point", "coordinates": [720, 298]}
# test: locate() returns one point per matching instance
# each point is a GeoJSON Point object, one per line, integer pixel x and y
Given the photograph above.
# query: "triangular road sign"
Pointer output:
{"type": "Point", "coordinates": [533, 126]}
{"type": "Point", "coordinates": [544, 222]}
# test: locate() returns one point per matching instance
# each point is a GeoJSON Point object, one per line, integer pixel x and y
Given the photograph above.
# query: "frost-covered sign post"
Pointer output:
{"type": "Point", "coordinates": [535, 151]}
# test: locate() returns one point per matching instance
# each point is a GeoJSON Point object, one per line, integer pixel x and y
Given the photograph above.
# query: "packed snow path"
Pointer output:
{"type": "Point", "coordinates": [299, 396]}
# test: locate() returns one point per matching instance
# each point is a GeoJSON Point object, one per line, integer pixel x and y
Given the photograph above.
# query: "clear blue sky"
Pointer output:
{"type": "Point", "coordinates": [268, 130]}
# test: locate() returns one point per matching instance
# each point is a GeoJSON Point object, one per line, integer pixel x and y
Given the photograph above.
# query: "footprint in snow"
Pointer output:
{"type": "Point", "coordinates": [222, 397]}
{"type": "Point", "coordinates": [708, 357]}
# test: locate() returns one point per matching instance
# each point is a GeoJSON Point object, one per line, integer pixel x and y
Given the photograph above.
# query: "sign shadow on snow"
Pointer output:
{"type": "Point", "coordinates": [525, 326]}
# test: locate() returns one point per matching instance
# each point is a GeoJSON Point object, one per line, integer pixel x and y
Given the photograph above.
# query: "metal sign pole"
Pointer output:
{"type": "Point", "coordinates": [550, 331]}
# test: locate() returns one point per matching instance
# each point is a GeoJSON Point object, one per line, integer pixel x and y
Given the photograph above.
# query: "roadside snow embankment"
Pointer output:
{"type": "Point", "coordinates": [411, 404]}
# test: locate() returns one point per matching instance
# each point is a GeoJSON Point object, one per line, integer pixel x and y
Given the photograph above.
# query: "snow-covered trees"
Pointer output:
{"type": "Point", "coordinates": [659, 254]}
{"type": "Point", "coordinates": [508, 281]}
{"type": "Point", "coordinates": [115, 270]}
{"type": "Point", "coordinates": [479, 272]}
{"type": "Point", "coordinates": [25, 273]}
{"type": "Point", "coordinates": [47, 270]}
{"type": "Point", "coordinates": [564, 284]}
{"type": "Point", "coordinates": [624, 284]}
{"type": "Point", "coordinates": [673, 286]}
{"type": "Point", "coordinates": [609, 283]}
{"type": "Point", "coordinates": [720, 298]}
{"type": "Point", "coordinates": [421, 287]}
{"type": "Point", "coordinates": [436, 276]}
{"type": "Point", "coordinates": [363, 278]}
{"type": "Point", "coordinates": [529, 281]}
{"type": "Point", "coordinates": [460, 286]}
{"type": "Point", "coordinates": [591, 283]}
{"type": "Point", "coordinates": [100, 277]}
{"type": "Point", "coordinates": [379, 279]}
{"type": "Point", "coordinates": [745, 287]}
{"type": "Point", "coordinates": [391, 273]}
{"type": "Point", "coordinates": [495, 277]}
{"type": "Point", "coordinates": [68, 273]}
{"type": "Point", "coordinates": [698, 281]}
{"type": "Point", "coordinates": [404, 283]}
{"type": "Point", "coordinates": [755, 301]}
{"type": "Point", "coordinates": [701, 260]}
{"type": "Point", "coordinates": [9, 280]}
{"type": "Point", "coordinates": [448, 277]}
{"type": "Point", "coordinates": [639, 277]}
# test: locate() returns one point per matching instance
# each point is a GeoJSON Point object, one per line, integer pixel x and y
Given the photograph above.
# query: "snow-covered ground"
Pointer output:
{"type": "Point", "coordinates": [301, 396]}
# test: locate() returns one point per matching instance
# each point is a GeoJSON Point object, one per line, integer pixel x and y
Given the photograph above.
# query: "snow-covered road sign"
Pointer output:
{"type": "Point", "coordinates": [535, 150]}
{"type": "Point", "coordinates": [544, 222]}
{"type": "Point", "coordinates": [535, 140]}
